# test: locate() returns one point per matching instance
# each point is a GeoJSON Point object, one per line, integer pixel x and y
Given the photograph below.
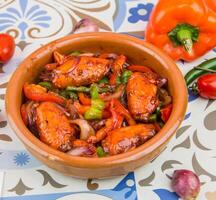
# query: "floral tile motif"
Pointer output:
{"type": "Point", "coordinates": [23, 17]}
{"type": "Point", "coordinates": [141, 12]}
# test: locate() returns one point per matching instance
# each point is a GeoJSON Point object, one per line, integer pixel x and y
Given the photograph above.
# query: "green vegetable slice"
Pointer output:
{"type": "Point", "coordinates": [125, 76]}
{"type": "Point", "coordinates": [46, 84]}
{"type": "Point", "coordinates": [100, 152]}
{"type": "Point", "coordinates": [93, 113]}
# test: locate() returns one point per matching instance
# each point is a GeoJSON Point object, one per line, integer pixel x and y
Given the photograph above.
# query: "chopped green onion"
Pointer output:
{"type": "Point", "coordinates": [87, 90]}
{"type": "Point", "coordinates": [93, 113]}
{"type": "Point", "coordinates": [94, 92]}
{"type": "Point", "coordinates": [72, 95]}
{"type": "Point", "coordinates": [63, 93]}
{"type": "Point", "coordinates": [153, 118]}
{"type": "Point", "coordinates": [46, 84]}
{"type": "Point", "coordinates": [125, 76]}
{"type": "Point", "coordinates": [78, 89]}
{"type": "Point", "coordinates": [75, 53]}
{"type": "Point", "coordinates": [100, 152]}
{"type": "Point", "coordinates": [98, 103]}
{"type": "Point", "coordinates": [104, 80]}
{"type": "Point", "coordinates": [68, 94]}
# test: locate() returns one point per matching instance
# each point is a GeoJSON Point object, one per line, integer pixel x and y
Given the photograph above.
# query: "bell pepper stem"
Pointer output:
{"type": "Point", "coordinates": [184, 36]}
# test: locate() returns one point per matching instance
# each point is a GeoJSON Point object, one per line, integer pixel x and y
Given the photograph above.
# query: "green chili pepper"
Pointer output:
{"type": "Point", "coordinates": [100, 152]}
{"type": "Point", "coordinates": [125, 76]}
{"type": "Point", "coordinates": [104, 80]}
{"type": "Point", "coordinates": [75, 53]}
{"type": "Point", "coordinates": [94, 92]}
{"type": "Point", "coordinates": [72, 95]}
{"type": "Point", "coordinates": [153, 117]}
{"type": "Point", "coordinates": [98, 103]}
{"type": "Point", "coordinates": [46, 84]}
{"type": "Point", "coordinates": [68, 94]}
{"type": "Point", "coordinates": [63, 93]}
{"type": "Point", "coordinates": [87, 90]}
{"type": "Point", "coordinates": [78, 89]}
{"type": "Point", "coordinates": [201, 69]}
{"type": "Point", "coordinates": [93, 113]}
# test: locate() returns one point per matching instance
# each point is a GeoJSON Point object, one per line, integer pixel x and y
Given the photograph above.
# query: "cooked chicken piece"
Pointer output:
{"type": "Point", "coordinates": [127, 138]}
{"type": "Point", "coordinates": [53, 126]}
{"type": "Point", "coordinates": [80, 71]}
{"type": "Point", "coordinates": [141, 96]}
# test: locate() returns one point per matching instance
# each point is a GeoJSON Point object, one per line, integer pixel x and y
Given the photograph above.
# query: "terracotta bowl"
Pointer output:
{"type": "Point", "coordinates": [138, 52]}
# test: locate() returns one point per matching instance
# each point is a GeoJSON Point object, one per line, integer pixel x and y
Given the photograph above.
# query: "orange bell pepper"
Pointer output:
{"type": "Point", "coordinates": [117, 68]}
{"type": "Point", "coordinates": [184, 29]}
{"type": "Point", "coordinates": [139, 68]}
{"type": "Point", "coordinates": [81, 109]}
{"type": "Point", "coordinates": [121, 110]}
{"type": "Point", "coordinates": [84, 99]}
{"type": "Point", "coordinates": [38, 93]}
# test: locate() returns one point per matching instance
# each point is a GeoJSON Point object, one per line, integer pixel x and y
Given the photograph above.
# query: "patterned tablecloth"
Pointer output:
{"type": "Point", "coordinates": [22, 177]}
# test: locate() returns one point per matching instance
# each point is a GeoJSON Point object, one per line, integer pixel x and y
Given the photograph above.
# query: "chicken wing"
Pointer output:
{"type": "Point", "coordinates": [127, 138]}
{"type": "Point", "coordinates": [79, 71]}
{"type": "Point", "coordinates": [141, 96]}
{"type": "Point", "coordinates": [53, 126]}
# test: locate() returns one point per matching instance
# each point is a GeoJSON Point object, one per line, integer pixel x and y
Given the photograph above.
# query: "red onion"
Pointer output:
{"type": "Point", "coordinates": [85, 129]}
{"type": "Point", "coordinates": [115, 95]}
{"type": "Point", "coordinates": [85, 25]}
{"type": "Point", "coordinates": [186, 184]}
{"type": "Point", "coordinates": [81, 151]}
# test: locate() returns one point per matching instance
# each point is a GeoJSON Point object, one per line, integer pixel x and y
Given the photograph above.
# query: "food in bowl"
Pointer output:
{"type": "Point", "coordinates": [95, 105]}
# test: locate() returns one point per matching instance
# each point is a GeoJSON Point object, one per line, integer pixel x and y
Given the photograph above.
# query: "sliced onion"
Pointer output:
{"type": "Point", "coordinates": [31, 116]}
{"type": "Point", "coordinates": [80, 151]}
{"type": "Point", "coordinates": [115, 95]}
{"type": "Point", "coordinates": [85, 129]}
{"type": "Point", "coordinates": [86, 54]}
{"type": "Point", "coordinates": [85, 25]}
{"type": "Point", "coordinates": [161, 82]}
{"type": "Point", "coordinates": [164, 96]}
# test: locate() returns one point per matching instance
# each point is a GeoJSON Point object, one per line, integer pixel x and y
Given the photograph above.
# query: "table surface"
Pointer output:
{"type": "Point", "coordinates": [22, 177]}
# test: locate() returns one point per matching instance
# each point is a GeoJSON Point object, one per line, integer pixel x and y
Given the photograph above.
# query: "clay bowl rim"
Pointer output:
{"type": "Point", "coordinates": [160, 138]}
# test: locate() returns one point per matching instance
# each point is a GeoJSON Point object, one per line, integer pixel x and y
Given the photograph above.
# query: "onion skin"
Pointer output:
{"type": "Point", "coordinates": [186, 184]}
{"type": "Point", "coordinates": [86, 129]}
{"type": "Point", "coordinates": [85, 25]}
{"type": "Point", "coordinates": [81, 151]}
